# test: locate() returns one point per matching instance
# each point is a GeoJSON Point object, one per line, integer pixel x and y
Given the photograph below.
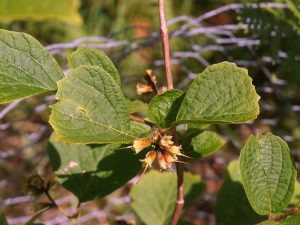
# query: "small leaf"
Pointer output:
{"type": "Point", "coordinates": [3, 220]}
{"type": "Point", "coordinates": [268, 173]}
{"type": "Point", "coordinates": [66, 10]}
{"type": "Point", "coordinates": [291, 220]}
{"type": "Point", "coordinates": [92, 172]}
{"type": "Point", "coordinates": [232, 206]}
{"type": "Point", "coordinates": [268, 222]}
{"type": "Point", "coordinates": [26, 67]}
{"type": "Point", "coordinates": [93, 57]}
{"type": "Point", "coordinates": [199, 144]}
{"type": "Point", "coordinates": [222, 93]}
{"type": "Point", "coordinates": [163, 108]}
{"type": "Point", "coordinates": [135, 106]}
{"type": "Point", "coordinates": [91, 108]}
{"type": "Point", "coordinates": [193, 187]}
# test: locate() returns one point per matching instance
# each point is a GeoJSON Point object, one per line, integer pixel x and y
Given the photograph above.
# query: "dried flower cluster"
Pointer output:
{"type": "Point", "coordinates": [163, 150]}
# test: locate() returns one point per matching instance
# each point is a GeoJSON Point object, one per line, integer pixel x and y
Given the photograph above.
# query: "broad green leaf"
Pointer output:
{"type": "Point", "coordinates": [222, 93]}
{"type": "Point", "coordinates": [232, 206]}
{"type": "Point", "coordinates": [268, 173]}
{"type": "Point", "coordinates": [163, 108]}
{"type": "Point", "coordinates": [92, 171]}
{"type": "Point", "coordinates": [93, 57]}
{"type": "Point", "coordinates": [26, 68]}
{"type": "Point", "coordinates": [154, 197]}
{"type": "Point", "coordinates": [135, 106]}
{"type": "Point", "coordinates": [200, 144]}
{"type": "Point", "coordinates": [66, 10]}
{"type": "Point", "coordinates": [91, 108]}
{"type": "Point", "coordinates": [291, 220]}
{"type": "Point", "coordinates": [3, 220]}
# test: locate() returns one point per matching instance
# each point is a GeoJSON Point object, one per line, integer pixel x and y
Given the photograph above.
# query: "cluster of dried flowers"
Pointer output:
{"type": "Point", "coordinates": [163, 150]}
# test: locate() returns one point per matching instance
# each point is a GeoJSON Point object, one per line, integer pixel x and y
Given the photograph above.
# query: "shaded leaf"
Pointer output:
{"type": "Point", "coordinates": [232, 206]}
{"type": "Point", "coordinates": [91, 108]}
{"type": "Point", "coordinates": [163, 108]}
{"type": "Point", "coordinates": [193, 187]}
{"type": "Point", "coordinates": [199, 144]}
{"type": "Point", "coordinates": [268, 173]}
{"type": "Point", "coordinates": [26, 67]}
{"type": "Point", "coordinates": [3, 220]}
{"type": "Point", "coordinates": [92, 172]}
{"type": "Point", "coordinates": [222, 93]}
{"type": "Point", "coordinates": [93, 57]}
{"type": "Point", "coordinates": [66, 10]}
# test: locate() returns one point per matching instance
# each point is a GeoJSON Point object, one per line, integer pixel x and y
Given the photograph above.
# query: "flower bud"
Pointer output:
{"type": "Point", "coordinates": [166, 141]}
{"type": "Point", "coordinates": [162, 162]}
{"type": "Point", "coordinates": [174, 150]}
{"type": "Point", "coordinates": [140, 144]}
{"type": "Point", "coordinates": [169, 158]}
{"type": "Point", "coordinates": [150, 156]}
{"type": "Point", "coordinates": [143, 88]}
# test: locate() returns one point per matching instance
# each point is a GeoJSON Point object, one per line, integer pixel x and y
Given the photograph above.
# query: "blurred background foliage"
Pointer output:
{"type": "Point", "coordinates": [263, 39]}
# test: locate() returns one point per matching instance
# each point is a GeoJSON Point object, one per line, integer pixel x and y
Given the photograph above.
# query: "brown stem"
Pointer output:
{"type": "Point", "coordinates": [180, 195]}
{"type": "Point", "coordinates": [284, 215]}
{"type": "Point", "coordinates": [165, 43]}
{"type": "Point", "coordinates": [141, 120]}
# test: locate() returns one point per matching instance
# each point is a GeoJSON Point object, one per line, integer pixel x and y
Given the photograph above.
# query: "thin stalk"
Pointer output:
{"type": "Point", "coordinates": [166, 49]}
{"type": "Point", "coordinates": [165, 43]}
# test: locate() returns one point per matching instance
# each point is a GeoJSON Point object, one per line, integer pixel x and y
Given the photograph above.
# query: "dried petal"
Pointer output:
{"type": "Point", "coordinates": [143, 88]}
{"type": "Point", "coordinates": [174, 150]}
{"type": "Point", "coordinates": [140, 144]}
{"type": "Point", "coordinates": [166, 141]}
{"type": "Point", "coordinates": [162, 162]}
{"type": "Point", "coordinates": [150, 156]}
{"type": "Point", "coordinates": [169, 158]}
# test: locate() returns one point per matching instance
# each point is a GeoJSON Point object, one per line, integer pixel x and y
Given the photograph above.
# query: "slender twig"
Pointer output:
{"type": "Point", "coordinates": [141, 120]}
{"type": "Point", "coordinates": [70, 217]}
{"type": "Point", "coordinates": [165, 43]}
{"type": "Point", "coordinates": [180, 195]}
{"type": "Point", "coordinates": [166, 48]}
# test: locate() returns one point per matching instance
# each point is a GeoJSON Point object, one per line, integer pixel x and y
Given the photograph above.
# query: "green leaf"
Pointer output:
{"type": "Point", "coordinates": [268, 222]}
{"type": "Point", "coordinates": [163, 108]}
{"type": "Point", "coordinates": [199, 144]}
{"type": "Point", "coordinates": [154, 197]}
{"type": "Point", "coordinates": [66, 10]}
{"type": "Point", "coordinates": [193, 187]}
{"type": "Point", "coordinates": [135, 106]}
{"type": "Point", "coordinates": [291, 220]}
{"type": "Point", "coordinates": [3, 220]}
{"type": "Point", "coordinates": [232, 206]}
{"type": "Point", "coordinates": [268, 173]}
{"type": "Point", "coordinates": [92, 172]}
{"type": "Point", "coordinates": [26, 68]}
{"type": "Point", "coordinates": [222, 93]}
{"type": "Point", "coordinates": [139, 129]}
{"type": "Point", "coordinates": [93, 57]}
{"type": "Point", "coordinates": [91, 108]}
